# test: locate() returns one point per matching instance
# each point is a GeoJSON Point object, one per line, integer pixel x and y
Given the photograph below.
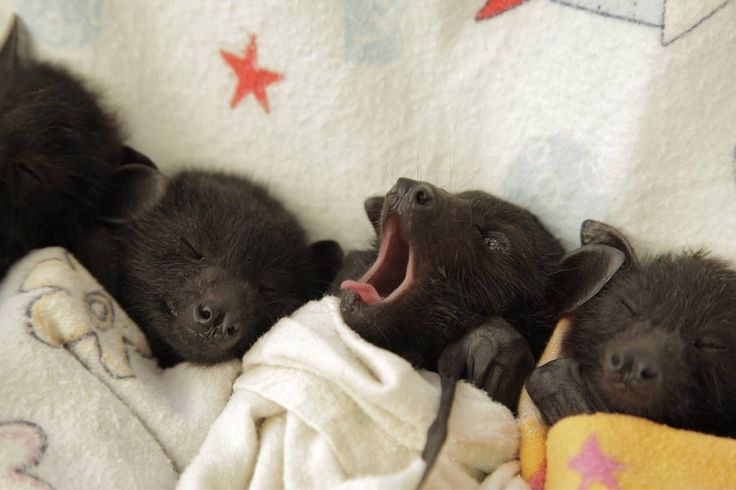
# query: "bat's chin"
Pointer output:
{"type": "Point", "coordinates": [391, 276]}
{"type": "Point", "coordinates": [201, 347]}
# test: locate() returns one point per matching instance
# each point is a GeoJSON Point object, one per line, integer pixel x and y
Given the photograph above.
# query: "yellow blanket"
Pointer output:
{"type": "Point", "coordinates": [618, 451]}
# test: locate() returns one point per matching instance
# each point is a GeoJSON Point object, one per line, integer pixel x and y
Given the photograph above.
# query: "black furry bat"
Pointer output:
{"type": "Point", "coordinates": [458, 286]}
{"type": "Point", "coordinates": [57, 150]}
{"type": "Point", "coordinates": [207, 262]}
{"type": "Point", "coordinates": [659, 341]}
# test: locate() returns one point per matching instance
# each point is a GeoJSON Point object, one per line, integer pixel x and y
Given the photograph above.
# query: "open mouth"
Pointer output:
{"type": "Point", "coordinates": [393, 272]}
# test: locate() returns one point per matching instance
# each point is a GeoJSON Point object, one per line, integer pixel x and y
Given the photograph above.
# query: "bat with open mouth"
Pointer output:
{"type": "Point", "coordinates": [658, 341]}
{"type": "Point", "coordinates": [459, 285]}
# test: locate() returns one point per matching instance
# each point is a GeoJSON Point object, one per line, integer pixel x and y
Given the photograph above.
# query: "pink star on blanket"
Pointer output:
{"type": "Point", "coordinates": [22, 444]}
{"type": "Point", "coordinates": [594, 466]}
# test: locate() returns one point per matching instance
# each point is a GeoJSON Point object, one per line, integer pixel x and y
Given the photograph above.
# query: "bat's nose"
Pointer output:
{"type": "Point", "coordinates": [408, 194]}
{"type": "Point", "coordinates": [216, 322]}
{"type": "Point", "coordinates": [635, 362]}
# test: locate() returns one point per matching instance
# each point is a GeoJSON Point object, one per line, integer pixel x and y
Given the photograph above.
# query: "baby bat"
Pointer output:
{"type": "Point", "coordinates": [458, 286]}
{"type": "Point", "coordinates": [658, 341]}
{"type": "Point", "coordinates": [57, 149]}
{"type": "Point", "coordinates": [207, 262]}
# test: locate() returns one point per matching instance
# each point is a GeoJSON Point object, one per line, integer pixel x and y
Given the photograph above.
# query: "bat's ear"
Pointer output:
{"type": "Point", "coordinates": [581, 274]}
{"type": "Point", "coordinates": [592, 232]}
{"type": "Point", "coordinates": [131, 155]}
{"type": "Point", "coordinates": [134, 189]}
{"type": "Point", "coordinates": [373, 208]}
{"type": "Point", "coordinates": [327, 259]}
{"type": "Point", "coordinates": [584, 272]}
{"type": "Point", "coordinates": [9, 48]}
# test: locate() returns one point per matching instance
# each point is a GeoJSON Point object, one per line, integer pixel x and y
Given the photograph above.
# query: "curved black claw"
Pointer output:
{"type": "Point", "coordinates": [558, 391]}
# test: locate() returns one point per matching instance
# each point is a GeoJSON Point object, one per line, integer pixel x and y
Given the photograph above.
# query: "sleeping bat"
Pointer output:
{"type": "Point", "coordinates": [658, 341]}
{"type": "Point", "coordinates": [457, 285]}
{"type": "Point", "coordinates": [206, 262]}
{"type": "Point", "coordinates": [58, 147]}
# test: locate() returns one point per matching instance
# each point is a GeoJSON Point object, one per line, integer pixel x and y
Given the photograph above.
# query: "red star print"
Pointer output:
{"type": "Point", "coordinates": [493, 8]}
{"type": "Point", "coordinates": [595, 466]}
{"type": "Point", "coordinates": [250, 77]}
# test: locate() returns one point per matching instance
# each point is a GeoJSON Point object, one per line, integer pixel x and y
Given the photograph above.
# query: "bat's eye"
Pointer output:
{"type": "Point", "coordinates": [192, 250]}
{"type": "Point", "coordinates": [268, 286]}
{"type": "Point", "coordinates": [496, 241]}
{"type": "Point", "coordinates": [628, 307]}
{"type": "Point", "coordinates": [709, 343]}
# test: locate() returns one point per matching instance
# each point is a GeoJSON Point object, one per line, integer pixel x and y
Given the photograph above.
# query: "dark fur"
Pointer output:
{"type": "Point", "coordinates": [213, 237]}
{"type": "Point", "coordinates": [57, 147]}
{"type": "Point", "coordinates": [477, 308]}
{"type": "Point", "coordinates": [65, 180]}
{"type": "Point", "coordinates": [687, 305]}
{"type": "Point", "coordinates": [677, 314]}
{"type": "Point", "coordinates": [460, 282]}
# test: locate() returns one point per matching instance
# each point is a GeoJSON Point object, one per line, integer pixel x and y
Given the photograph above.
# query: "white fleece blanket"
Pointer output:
{"type": "Point", "coordinates": [82, 403]}
{"type": "Point", "coordinates": [617, 110]}
{"type": "Point", "coordinates": [319, 407]}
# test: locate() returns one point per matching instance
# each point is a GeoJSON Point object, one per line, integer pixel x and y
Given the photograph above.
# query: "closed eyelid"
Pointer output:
{"type": "Point", "coordinates": [711, 342]}
{"type": "Point", "coordinates": [628, 306]}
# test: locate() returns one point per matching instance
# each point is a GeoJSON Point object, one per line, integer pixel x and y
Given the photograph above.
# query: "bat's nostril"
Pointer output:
{"type": "Point", "coordinates": [422, 195]}
{"type": "Point", "coordinates": [204, 313]}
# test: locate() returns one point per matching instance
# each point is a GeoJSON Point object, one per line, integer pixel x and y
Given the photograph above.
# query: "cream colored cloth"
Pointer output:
{"type": "Point", "coordinates": [83, 404]}
{"type": "Point", "coordinates": [319, 407]}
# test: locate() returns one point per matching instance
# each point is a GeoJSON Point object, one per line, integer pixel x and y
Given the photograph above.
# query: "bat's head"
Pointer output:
{"type": "Point", "coordinates": [56, 148]}
{"type": "Point", "coordinates": [213, 262]}
{"type": "Point", "coordinates": [659, 340]}
{"type": "Point", "coordinates": [445, 263]}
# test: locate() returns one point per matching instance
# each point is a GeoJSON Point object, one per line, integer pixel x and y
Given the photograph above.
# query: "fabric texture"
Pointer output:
{"type": "Point", "coordinates": [319, 407]}
{"type": "Point", "coordinates": [619, 111]}
{"type": "Point", "coordinates": [83, 404]}
{"type": "Point", "coordinates": [617, 451]}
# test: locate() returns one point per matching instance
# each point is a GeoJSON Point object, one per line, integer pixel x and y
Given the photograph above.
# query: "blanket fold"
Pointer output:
{"type": "Point", "coordinates": [317, 406]}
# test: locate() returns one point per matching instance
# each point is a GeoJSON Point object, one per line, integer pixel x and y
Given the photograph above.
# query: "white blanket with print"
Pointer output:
{"type": "Point", "coordinates": [83, 405]}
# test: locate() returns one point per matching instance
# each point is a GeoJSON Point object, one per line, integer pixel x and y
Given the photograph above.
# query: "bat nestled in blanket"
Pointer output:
{"type": "Point", "coordinates": [653, 353]}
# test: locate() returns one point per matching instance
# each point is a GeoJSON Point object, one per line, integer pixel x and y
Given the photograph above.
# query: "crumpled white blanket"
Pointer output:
{"type": "Point", "coordinates": [319, 407]}
{"type": "Point", "coordinates": [82, 404]}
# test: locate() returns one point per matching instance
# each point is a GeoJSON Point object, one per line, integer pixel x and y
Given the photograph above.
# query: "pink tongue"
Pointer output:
{"type": "Point", "coordinates": [367, 292]}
